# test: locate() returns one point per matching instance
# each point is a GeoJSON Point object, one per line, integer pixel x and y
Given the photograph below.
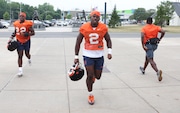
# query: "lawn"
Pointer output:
{"type": "Point", "coordinates": [137, 28]}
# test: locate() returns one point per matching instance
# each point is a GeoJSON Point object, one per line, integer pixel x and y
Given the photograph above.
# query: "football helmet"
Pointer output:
{"type": "Point", "coordinates": [12, 45]}
{"type": "Point", "coordinates": [76, 72]}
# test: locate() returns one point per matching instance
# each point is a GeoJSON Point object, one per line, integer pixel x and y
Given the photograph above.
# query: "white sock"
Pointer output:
{"type": "Point", "coordinates": [20, 69]}
{"type": "Point", "coordinates": [90, 93]}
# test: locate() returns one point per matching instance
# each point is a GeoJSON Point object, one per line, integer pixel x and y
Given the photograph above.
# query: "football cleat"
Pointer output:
{"type": "Point", "coordinates": [91, 99]}
{"type": "Point", "coordinates": [142, 70]}
{"type": "Point", "coordinates": [76, 72]}
{"type": "Point", "coordinates": [159, 74]}
{"type": "Point", "coordinates": [20, 74]}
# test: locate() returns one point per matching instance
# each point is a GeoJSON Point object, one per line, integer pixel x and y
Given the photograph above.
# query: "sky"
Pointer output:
{"type": "Point", "coordinates": [87, 5]}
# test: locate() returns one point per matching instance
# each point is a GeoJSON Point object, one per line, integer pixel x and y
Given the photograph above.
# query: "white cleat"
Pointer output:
{"type": "Point", "coordinates": [20, 74]}
{"type": "Point", "coordinates": [29, 62]}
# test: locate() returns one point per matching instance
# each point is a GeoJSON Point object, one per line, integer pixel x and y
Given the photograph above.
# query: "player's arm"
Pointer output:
{"type": "Point", "coordinates": [109, 45]}
{"type": "Point", "coordinates": [12, 36]}
{"type": "Point", "coordinates": [142, 41]}
{"type": "Point", "coordinates": [31, 31]}
{"type": "Point", "coordinates": [162, 33]}
{"type": "Point", "coordinates": [77, 47]}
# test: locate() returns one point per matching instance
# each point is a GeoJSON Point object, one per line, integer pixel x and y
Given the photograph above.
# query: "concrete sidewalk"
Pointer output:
{"type": "Point", "coordinates": [46, 88]}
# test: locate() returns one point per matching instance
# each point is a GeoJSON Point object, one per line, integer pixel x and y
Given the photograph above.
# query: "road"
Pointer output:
{"type": "Point", "coordinates": [67, 34]}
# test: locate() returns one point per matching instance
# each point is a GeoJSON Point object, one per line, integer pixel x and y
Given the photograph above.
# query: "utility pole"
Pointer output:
{"type": "Point", "coordinates": [9, 1]}
{"type": "Point", "coordinates": [20, 8]}
{"type": "Point", "coordinates": [105, 13]}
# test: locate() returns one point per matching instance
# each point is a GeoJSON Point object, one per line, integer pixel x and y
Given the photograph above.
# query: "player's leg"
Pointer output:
{"type": "Point", "coordinates": [153, 64]}
{"type": "Point", "coordinates": [99, 62]}
{"type": "Point", "coordinates": [89, 65]}
{"type": "Point", "coordinates": [90, 76]}
{"type": "Point", "coordinates": [142, 69]}
{"type": "Point", "coordinates": [20, 57]}
{"type": "Point", "coordinates": [27, 51]}
{"type": "Point", "coordinates": [150, 56]}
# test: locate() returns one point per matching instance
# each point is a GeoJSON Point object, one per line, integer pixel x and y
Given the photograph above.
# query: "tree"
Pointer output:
{"type": "Point", "coordinates": [3, 7]}
{"type": "Point", "coordinates": [69, 16]}
{"type": "Point", "coordinates": [15, 9]}
{"type": "Point", "coordinates": [164, 13]}
{"type": "Point", "coordinates": [150, 12]}
{"type": "Point", "coordinates": [6, 16]}
{"type": "Point", "coordinates": [49, 17]}
{"type": "Point", "coordinates": [140, 14]}
{"type": "Point", "coordinates": [57, 14]}
{"type": "Point", "coordinates": [29, 11]}
{"type": "Point", "coordinates": [115, 19]}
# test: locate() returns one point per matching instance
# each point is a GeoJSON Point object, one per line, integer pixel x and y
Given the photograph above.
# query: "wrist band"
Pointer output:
{"type": "Point", "coordinates": [11, 38]}
{"type": "Point", "coordinates": [109, 51]}
{"type": "Point", "coordinates": [76, 57]}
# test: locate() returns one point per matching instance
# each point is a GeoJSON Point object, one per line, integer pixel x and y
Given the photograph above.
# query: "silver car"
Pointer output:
{"type": "Point", "coordinates": [5, 24]}
{"type": "Point", "coordinates": [62, 23]}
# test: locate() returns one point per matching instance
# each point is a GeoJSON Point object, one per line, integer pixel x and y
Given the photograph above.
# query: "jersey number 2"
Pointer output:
{"type": "Point", "coordinates": [93, 38]}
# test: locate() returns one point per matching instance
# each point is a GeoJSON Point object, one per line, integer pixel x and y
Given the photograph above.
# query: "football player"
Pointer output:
{"type": "Point", "coordinates": [23, 31]}
{"type": "Point", "coordinates": [93, 33]}
{"type": "Point", "coordinates": [149, 41]}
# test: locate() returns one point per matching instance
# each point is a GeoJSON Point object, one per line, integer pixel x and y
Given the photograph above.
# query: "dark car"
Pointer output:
{"type": "Point", "coordinates": [49, 22]}
{"type": "Point", "coordinates": [46, 25]}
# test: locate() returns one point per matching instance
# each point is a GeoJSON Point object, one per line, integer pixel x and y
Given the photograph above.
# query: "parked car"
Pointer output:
{"type": "Point", "coordinates": [1, 26]}
{"type": "Point", "coordinates": [46, 25]}
{"type": "Point", "coordinates": [61, 23]}
{"type": "Point", "coordinates": [49, 22]}
{"type": "Point", "coordinates": [53, 21]}
{"type": "Point", "coordinates": [5, 24]}
{"type": "Point", "coordinates": [37, 22]}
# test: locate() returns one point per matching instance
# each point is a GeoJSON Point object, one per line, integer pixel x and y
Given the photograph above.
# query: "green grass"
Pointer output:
{"type": "Point", "coordinates": [137, 28]}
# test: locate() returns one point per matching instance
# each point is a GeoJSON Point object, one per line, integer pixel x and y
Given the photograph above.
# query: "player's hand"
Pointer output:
{"type": "Point", "coordinates": [25, 34]}
{"type": "Point", "coordinates": [10, 39]}
{"type": "Point", "coordinates": [145, 48]}
{"type": "Point", "coordinates": [158, 40]}
{"type": "Point", "coordinates": [109, 56]}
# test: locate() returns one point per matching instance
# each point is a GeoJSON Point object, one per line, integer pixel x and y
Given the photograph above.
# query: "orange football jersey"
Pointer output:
{"type": "Point", "coordinates": [150, 31]}
{"type": "Point", "coordinates": [21, 28]}
{"type": "Point", "coordinates": [93, 36]}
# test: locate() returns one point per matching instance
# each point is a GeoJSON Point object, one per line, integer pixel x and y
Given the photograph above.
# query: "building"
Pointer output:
{"type": "Point", "coordinates": [125, 14]}
{"type": "Point", "coordinates": [175, 21]}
